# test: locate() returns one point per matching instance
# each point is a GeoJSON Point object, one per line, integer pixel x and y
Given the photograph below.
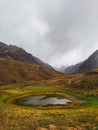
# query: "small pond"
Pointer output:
{"type": "Point", "coordinates": [42, 100]}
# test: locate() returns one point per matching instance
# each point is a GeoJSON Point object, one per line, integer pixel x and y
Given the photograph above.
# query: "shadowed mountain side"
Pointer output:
{"type": "Point", "coordinates": [90, 63]}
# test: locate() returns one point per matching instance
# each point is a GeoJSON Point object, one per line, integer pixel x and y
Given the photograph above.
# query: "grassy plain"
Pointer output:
{"type": "Point", "coordinates": [14, 117]}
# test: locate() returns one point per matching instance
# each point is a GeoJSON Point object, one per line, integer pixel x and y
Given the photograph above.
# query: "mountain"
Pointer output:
{"type": "Point", "coordinates": [68, 70]}
{"type": "Point", "coordinates": [17, 53]}
{"type": "Point", "coordinates": [60, 68]}
{"type": "Point", "coordinates": [72, 69]}
{"type": "Point", "coordinates": [90, 63]}
{"type": "Point", "coordinates": [14, 71]}
{"type": "Point", "coordinates": [17, 66]}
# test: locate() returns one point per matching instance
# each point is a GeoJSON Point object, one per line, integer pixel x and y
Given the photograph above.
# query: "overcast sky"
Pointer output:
{"type": "Point", "coordinates": [57, 31]}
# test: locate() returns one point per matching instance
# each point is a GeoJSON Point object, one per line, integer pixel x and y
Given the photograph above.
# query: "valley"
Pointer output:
{"type": "Point", "coordinates": [49, 65]}
{"type": "Point", "coordinates": [72, 116]}
{"type": "Point", "coordinates": [24, 76]}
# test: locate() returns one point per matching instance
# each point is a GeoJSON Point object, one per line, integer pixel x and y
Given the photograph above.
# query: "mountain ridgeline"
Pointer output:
{"type": "Point", "coordinates": [17, 53]}
{"type": "Point", "coordinates": [90, 63]}
{"type": "Point", "coordinates": [16, 66]}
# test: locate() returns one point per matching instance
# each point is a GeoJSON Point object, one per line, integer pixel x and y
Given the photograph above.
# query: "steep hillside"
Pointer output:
{"type": "Point", "coordinates": [17, 53]}
{"type": "Point", "coordinates": [13, 71]}
{"type": "Point", "coordinates": [90, 63]}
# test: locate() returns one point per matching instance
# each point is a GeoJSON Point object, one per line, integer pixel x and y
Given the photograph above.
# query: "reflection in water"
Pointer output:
{"type": "Point", "coordinates": [41, 100]}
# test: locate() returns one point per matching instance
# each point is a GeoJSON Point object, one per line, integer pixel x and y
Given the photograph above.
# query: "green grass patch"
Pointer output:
{"type": "Point", "coordinates": [91, 101]}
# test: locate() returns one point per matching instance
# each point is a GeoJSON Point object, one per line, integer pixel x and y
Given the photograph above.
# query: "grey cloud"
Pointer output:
{"type": "Point", "coordinates": [72, 24]}
{"type": "Point", "coordinates": [58, 32]}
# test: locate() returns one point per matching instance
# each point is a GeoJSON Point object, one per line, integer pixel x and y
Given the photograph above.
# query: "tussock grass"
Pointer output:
{"type": "Point", "coordinates": [23, 119]}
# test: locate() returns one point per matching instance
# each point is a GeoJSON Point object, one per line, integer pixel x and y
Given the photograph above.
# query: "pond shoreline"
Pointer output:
{"type": "Point", "coordinates": [74, 104]}
{"type": "Point", "coordinates": [43, 100]}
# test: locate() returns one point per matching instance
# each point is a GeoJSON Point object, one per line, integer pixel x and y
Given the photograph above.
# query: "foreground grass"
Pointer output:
{"type": "Point", "coordinates": [23, 119]}
{"type": "Point", "coordinates": [13, 117]}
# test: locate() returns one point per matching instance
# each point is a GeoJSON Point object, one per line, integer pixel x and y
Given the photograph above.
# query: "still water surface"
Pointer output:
{"type": "Point", "coordinates": [42, 100]}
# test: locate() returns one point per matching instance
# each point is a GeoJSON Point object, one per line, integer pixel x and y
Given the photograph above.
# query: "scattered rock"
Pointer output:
{"type": "Point", "coordinates": [41, 128]}
{"type": "Point", "coordinates": [77, 128]}
{"type": "Point", "coordinates": [52, 127]}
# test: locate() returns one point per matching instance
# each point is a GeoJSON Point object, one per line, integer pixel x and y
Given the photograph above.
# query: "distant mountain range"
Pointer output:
{"type": "Point", "coordinates": [17, 66]}
{"type": "Point", "coordinates": [82, 67]}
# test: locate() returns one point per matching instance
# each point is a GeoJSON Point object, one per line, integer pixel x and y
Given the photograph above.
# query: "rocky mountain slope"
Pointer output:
{"type": "Point", "coordinates": [90, 63]}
